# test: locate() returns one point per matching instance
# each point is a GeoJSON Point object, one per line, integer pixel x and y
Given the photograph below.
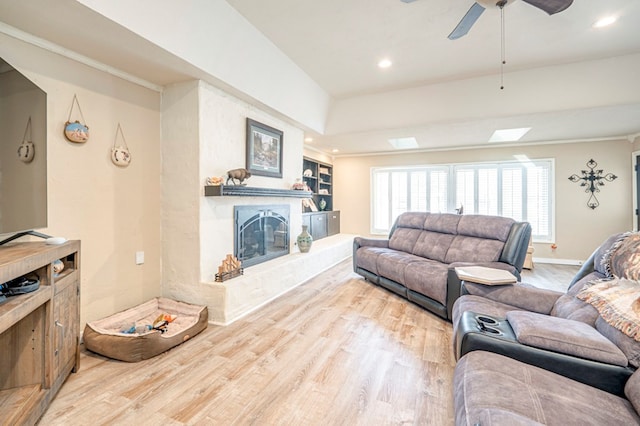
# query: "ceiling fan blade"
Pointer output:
{"type": "Point", "coordinates": [550, 6]}
{"type": "Point", "coordinates": [407, 1]}
{"type": "Point", "coordinates": [467, 21]}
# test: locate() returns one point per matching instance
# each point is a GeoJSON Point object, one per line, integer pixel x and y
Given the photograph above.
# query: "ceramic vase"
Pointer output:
{"type": "Point", "coordinates": [305, 240]}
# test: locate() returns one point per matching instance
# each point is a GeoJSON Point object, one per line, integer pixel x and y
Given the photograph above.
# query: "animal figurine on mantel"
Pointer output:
{"type": "Point", "coordinates": [238, 174]}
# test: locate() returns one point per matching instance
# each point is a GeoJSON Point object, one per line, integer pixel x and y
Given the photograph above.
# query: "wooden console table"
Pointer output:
{"type": "Point", "coordinates": [39, 331]}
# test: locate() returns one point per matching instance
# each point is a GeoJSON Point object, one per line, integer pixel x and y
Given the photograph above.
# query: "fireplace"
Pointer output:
{"type": "Point", "coordinates": [261, 233]}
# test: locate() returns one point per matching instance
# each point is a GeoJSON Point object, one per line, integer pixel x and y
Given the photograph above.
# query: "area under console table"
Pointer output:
{"type": "Point", "coordinates": [39, 331]}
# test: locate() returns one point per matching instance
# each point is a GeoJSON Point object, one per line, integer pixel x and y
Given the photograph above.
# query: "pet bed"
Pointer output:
{"type": "Point", "coordinates": [115, 336]}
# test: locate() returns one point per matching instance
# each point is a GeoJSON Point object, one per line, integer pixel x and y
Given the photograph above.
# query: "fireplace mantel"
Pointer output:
{"type": "Point", "coordinates": [249, 191]}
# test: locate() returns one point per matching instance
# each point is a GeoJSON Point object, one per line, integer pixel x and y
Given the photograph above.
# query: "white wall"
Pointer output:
{"type": "Point", "coordinates": [204, 135]}
{"type": "Point", "coordinates": [579, 229]}
{"type": "Point", "coordinates": [113, 211]}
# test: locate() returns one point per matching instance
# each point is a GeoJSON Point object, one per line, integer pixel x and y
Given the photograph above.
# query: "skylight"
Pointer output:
{"type": "Point", "coordinates": [404, 143]}
{"type": "Point", "coordinates": [509, 135]}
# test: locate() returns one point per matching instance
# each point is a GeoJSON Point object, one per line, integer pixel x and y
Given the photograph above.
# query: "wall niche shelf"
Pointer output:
{"type": "Point", "coordinates": [249, 191]}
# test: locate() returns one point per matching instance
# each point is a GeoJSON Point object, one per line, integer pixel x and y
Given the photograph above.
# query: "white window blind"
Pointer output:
{"type": "Point", "coordinates": [520, 190]}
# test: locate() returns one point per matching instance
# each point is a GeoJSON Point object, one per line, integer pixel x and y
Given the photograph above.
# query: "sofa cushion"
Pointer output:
{"type": "Point", "coordinates": [413, 220]}
{"type": "Point", "coordinates": [632, 390]}
{"type": "Point", "coordinates": [487, 383]}
{"type": "Point", "coordinates": [570, 307]}
{"type": "Point", "coordinates": [472, 249]}
{"type": "Point", "coordinates": [629, 347]}
{"type": "Point", "coordinates": [433, 245]}
{"type": "Point", "coordinates": [367, 257]}
{"type": "Point", "coordinates": [623, 258]}
{"type": "Point", "coordinates": [445, 223]}
{"type": "Point", "coordinates": [403, 239]}
{"type": "Point", "coordinates": [491, 227]}
{"type": "Point", "coordinates": [564, 336]}
{"type": "Point", "coordinates": [428, 278]}
{"type": "Point", "coordinates": [519, 295]}
{"type": "Point", "coordinates": [391, 265]}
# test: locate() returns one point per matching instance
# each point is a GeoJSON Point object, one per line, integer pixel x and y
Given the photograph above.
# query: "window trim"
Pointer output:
{"type": "Point", "coordinates": [451, 192]}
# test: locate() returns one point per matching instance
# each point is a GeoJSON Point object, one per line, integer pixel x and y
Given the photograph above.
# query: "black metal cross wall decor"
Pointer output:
{"type": "Point", "coordinates": [592, 180]}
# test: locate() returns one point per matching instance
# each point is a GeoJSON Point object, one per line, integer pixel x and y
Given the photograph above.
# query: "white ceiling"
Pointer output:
{"type": "Point", "coordinates": [565, 79]}
{"type": "Point", "coordinates": [338, 43]}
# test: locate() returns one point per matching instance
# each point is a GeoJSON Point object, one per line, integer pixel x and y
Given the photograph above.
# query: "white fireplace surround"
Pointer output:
{"type": "Point", "coordinates": [203, 135]}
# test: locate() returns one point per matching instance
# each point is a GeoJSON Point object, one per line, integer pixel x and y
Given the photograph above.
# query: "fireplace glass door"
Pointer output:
{"type": "Point", "coordinates": [261, 233]}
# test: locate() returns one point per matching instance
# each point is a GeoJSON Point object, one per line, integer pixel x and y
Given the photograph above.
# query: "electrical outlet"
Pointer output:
{"type": "Point", "coordinates": [139, 257]}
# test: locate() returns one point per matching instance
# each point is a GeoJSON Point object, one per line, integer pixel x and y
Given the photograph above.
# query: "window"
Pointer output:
{"type": "Point", "coordinates": [520, 190]}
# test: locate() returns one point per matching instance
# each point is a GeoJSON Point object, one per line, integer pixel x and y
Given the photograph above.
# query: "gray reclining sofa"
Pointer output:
{"type": "Point", "coordinates": [418, 258]}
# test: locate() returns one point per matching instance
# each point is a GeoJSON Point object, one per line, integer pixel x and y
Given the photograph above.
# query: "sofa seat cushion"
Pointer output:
{"type": "Point", "coordinates": [564, 336]}
{"type": "Point", "coordinates": [367, 257]}
{"type": "Point", "coordinates": [428, 278]}
{"type": "Point", "coordinates": [392, 265]}
{"type": "Point", "coordinates": [489, 386]}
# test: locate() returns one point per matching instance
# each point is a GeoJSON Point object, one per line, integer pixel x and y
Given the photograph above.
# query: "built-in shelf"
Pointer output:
{"type": "Point", "coordinates": [249, 191]}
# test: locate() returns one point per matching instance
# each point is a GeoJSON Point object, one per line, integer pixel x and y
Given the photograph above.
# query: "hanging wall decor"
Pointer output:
{"type": "Point", "coordinates": [120, 155]}
{"type": "Point", "coordinates": [592, 179]}
{"type": "Point", "coordinates": [26, 150]}
{"type": "Point", "coordinates": [76, 131]}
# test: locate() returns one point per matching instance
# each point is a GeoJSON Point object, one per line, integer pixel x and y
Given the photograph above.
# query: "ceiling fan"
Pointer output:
{"type": "Point", "coordinates": [470, 18]}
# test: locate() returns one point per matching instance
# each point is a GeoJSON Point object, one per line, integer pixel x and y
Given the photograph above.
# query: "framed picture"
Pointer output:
{"type": "Point", "coordinates": [264, 149]}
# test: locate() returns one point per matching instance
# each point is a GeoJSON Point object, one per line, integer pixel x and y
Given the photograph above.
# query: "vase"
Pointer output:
{"type": "Point", "coordinates": [305, 240]}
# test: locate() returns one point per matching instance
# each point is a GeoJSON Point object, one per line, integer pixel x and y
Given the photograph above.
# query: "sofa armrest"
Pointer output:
{"type": "Point", "coordinates": [519, 295]}
{"type": "Point", "coordinates": [367, 242]}
{"type": "Point", "coordinates": [454, 283]}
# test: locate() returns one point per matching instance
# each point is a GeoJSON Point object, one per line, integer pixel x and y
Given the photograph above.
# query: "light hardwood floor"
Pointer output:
{"type": "Point", "coordinates": [334, 351]}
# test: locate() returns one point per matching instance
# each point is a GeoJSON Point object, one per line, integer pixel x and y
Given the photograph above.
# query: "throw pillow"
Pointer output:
{"type": "Point", "coordinates": [618, 302]}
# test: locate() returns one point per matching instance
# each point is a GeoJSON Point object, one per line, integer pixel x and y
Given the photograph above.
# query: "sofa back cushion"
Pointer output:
{"type": "Point", "coordinates": [404, 239]}
{"type": "Point", "coordinates": [433, 245]}
{"type": "Point", "coordinates": [472, 249]}
{"type": "Point", "coordinates": [445, 223]}
{"type": "Point", "coordinates": [489, 227]}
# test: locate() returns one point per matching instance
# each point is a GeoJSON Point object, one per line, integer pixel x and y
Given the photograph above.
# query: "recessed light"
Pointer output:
{"type": "Point", "coordinates": [385, 63]}
{"type": "Point", "coordinates": [335, 150]}
{"type": "Point", "coordinates": [604, 22]}
{"type": "Point", "coordinates": [509, 135]}
{"type": "Point", "coordinates": [308, 139]}
{"type": "Point", "coordinates": [404, 143]}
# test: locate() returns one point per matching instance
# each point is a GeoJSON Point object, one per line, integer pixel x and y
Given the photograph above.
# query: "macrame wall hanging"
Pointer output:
{"type": "Point", "coordinates": [120, 155]}
{"type": "Point", "coordinates": [26, 150]}
{"type": "Point", "coordinates": [76, 131]}
{"type": "Point", "coordinates": [592, 180]}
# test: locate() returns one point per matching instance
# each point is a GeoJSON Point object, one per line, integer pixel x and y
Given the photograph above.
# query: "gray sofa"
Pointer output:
{"type": "Point", "coordinates": [418, 258]}
{"type": "Point", "coordinates": [552, 330]}
{"type": "Point", "coordinates": [565, 365]}
{"type": "Point", "coordinates": [491, 389]}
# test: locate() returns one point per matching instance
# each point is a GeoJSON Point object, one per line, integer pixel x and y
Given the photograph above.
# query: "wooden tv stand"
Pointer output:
{"type": "Point", "coordinates": [39, 331]}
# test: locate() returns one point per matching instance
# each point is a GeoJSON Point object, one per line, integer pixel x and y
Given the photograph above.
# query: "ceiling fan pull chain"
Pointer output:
{"type": "Point", "coordinates": [502, 42]}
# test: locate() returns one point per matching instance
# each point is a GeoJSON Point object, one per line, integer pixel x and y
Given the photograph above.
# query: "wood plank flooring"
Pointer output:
{"type": "Point", "coordinates": [334, 351]}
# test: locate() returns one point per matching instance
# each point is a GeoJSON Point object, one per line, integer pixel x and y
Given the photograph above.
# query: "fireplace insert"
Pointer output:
{"type": "Point", "coordinates": [261, 233]}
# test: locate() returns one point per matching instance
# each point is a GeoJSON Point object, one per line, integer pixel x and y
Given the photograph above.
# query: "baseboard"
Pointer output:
{"type": "Point", "coordinates": [552, 261]}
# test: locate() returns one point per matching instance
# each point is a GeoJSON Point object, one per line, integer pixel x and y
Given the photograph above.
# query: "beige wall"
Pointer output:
{"type": "Point", "coordinates": [113, 211]}
{"type": "Point", "coordinates": [579, 229]}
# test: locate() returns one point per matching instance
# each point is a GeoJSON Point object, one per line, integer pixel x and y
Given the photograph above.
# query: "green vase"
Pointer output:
{"type": "Point", "coordinates": [305, 240]}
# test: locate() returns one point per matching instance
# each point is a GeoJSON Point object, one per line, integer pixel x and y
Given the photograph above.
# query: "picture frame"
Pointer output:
{"type": "Point", "coordinates": [264, 149]}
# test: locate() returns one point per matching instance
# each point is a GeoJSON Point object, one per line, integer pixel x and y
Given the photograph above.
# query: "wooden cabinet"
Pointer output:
{"type": "Point", "coordinates": [39, 331]}
{"type": "Point", "coordinates": [322, 224]}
